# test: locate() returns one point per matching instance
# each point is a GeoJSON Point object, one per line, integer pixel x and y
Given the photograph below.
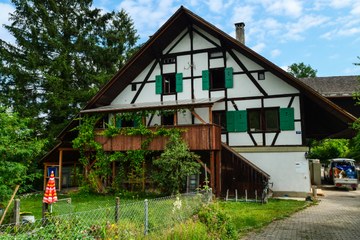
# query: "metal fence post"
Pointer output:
{"type": "Point", "coordinates": [117, 209]}
{"type": "Point", "coordinates": [146, 222]}
{"type": "Point", "coordinates": [17, 211]}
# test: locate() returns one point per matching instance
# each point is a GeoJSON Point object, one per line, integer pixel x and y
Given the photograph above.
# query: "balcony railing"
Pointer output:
{"type": "Point", "coordinates": [198, 137]}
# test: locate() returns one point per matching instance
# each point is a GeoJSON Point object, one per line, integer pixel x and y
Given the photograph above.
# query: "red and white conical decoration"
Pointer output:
{"type": "Point", "coordinates": [50, 191]}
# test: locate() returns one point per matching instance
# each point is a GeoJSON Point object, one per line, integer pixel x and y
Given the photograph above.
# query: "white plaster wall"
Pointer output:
{"type": "Point", "coordinates": [184, 118]}
{"type": "Point", "coordinates": [201, 43]}
{"type": "Point", "coordinates": [243, 105]}
{"type": "Point", "coordinates": [230, 62]}
{"type": "Point", "coordinates": [184, 44]}
{"type": "Point", "coordinates": [274, 85]}
{"type": "Point", "coordinates": [240, 139]}
{"type": "Point", "coordinates": [174, 41]}
{"type": "Point", "coordinates": [203, 113]}
{"type": "Point", "coordinates": [289, 171]}
{"type": "Point", "coordinates": [220, 93]}
{"type": "Point", "coordinates": [169, 68]}
{"type": "Point", "coordinates": [183, 65]}
{"type": "Point", "coordinates": [216, 63]}
{"type": "Point", "coordinates": [200, 63]}
{"type": "Point", "coordinates": [218, 106]}
{"type": "Point", "coordinates": [198, 92]}
{"type": "Point", "coordinates": [155, 121]}
{"type": "Point", "coordinates": [249, 64]}
{"type": "Point", "coordinates": [290, 137]}
{"type": "Point", "coordinates": [186, 93]}
{"type": "Point", "coordinates": [243, 87]}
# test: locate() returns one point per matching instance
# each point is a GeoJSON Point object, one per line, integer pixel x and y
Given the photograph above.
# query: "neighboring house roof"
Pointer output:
{"type": "Point", "coordinates": [154, 47]}
{"type": "Point", "coordinates": [335, 86]}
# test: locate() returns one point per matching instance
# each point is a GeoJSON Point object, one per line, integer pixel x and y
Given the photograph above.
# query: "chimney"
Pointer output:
{"type": "Point", "coordinates": [240, 32]}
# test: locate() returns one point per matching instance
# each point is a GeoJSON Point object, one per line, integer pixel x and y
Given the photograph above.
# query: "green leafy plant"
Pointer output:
{"type": "Point", "coordinates": [175, 164]}
{"type": "Point", "coordinates": [218, 222]}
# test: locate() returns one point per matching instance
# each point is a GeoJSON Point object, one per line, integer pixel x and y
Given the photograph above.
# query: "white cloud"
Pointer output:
{"type": "Point", "coordinates": [355, 9]}
{"type": "Point", "coordinates": [215, 5]}
{"type": "Point", "coordinates": [274, 53]}
{"type": "Point", "coordinates": [306, 22]}
{"type": "Point", "coordinates": [292, 8]}
{"type": "Point", "coordinates": [148, 14]}
{"type": "Point", "coordinates": [340, 3]}
{"type": "Point", "coordinates": [258, 47]}
{"type": "Point", "coordinates": [243, 14]}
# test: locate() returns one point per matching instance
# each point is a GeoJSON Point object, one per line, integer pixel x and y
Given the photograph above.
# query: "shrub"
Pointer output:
{"type": "Point", "coordinates": [218, 222]}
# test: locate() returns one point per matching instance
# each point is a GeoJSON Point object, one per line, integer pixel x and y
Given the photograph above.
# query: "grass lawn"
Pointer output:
{"type": "Point", "coordinates": [242, 216]}
{"type": "Point", "coordinates": [250, 216]}
{"type": "Point", "coordinates": [79, 203]}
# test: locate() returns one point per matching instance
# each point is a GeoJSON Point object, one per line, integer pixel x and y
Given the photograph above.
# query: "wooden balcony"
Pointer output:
{"type": "Point", "coordinates": [198, 137]}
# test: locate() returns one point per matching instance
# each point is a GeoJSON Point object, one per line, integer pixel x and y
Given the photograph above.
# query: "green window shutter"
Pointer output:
{"type": "Point", "coordinates": [179, 82]}
{"type": "Point", "coordinates": [205, 79]}
{"type": "Point", "coordinates": [229, 83]}
{"type": "Point", "coordinates": [287, 119]}
{"type": "Point", "coordinates": [158, 84]}
{"type": "Point", "coordinates": [236, 121]}
{"type": "Point", "coordinates": [230, 121]}
{"type": "Point", "coordinates": [117, 121]}
{"type": "Point", "coordinates": [241, 121]}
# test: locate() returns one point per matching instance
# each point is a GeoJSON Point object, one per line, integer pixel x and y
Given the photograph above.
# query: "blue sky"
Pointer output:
{"type": "Point", "coordinates": [322, 33]}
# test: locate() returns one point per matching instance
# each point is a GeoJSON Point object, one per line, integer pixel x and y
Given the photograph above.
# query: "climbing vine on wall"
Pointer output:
{"type": "Point", "coordinates": [97, 162]}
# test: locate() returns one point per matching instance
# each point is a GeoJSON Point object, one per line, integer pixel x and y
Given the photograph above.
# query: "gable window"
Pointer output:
{"type": "Point", "coordinates": [263, 120]}
{"type": "Point", "coordinates": [170, 83]}
{"type": "Point", "coordinates": [217, 78]}
{"type": "Point", "coordinates": [219, 118]}
{"type": "Point", "coordinates": [261, 75]}
{"type": "Point", "coordinates": [133, 87]}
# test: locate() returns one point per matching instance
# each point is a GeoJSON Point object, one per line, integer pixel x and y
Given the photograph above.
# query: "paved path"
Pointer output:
{"type": "Point", "coordinates": [337, 216]}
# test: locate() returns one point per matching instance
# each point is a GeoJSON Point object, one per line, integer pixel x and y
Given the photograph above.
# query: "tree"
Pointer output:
{"type": "Point", "coordinates": [300, 70]}
{"type": "Point", "coordinates": [65, 50]}
{"type": "Point", "coordinates": [175, 164]}
{"type": "Point", "coordinates": [18, 150]}
{"type": "Point", "coordinates": [329, 148]}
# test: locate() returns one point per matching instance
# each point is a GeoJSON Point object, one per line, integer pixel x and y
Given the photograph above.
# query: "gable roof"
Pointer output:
{"type": "Point", "coordinates": [334, 86]}
{"type": "Point", "coordinates": [153, 48]}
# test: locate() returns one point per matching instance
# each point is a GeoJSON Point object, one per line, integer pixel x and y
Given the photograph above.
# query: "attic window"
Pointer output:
{"type": "Point", "coordinates": [216, 55]}
{"type": "Point", "coordinates": [133, 87]}
{"type": "Point", "coordinates": [261, 75]}
{"type": "Point", "coordinates": [169, 60]}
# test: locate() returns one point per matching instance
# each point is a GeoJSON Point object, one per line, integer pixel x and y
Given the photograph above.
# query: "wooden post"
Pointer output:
{"type": "Point", "coordinates": [218, 173]}
{"type": "Point", "coordinates": [17, 211]}
{"type": "Point", "coordinates": [212, 170]}
{"type": "Point", "coordinates": [60, 169]}
{"type": "Point", "coordinates": [45, 208]}
{"type": "Point", "coordinates": [11, 199]}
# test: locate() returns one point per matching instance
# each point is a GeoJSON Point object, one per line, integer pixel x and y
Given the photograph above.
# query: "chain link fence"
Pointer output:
{"type": "Point", "coordinates": [114, 220]}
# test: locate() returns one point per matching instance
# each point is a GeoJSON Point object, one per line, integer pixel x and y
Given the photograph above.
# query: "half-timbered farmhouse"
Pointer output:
{"type": "Point", "coordinates": [249, 120]}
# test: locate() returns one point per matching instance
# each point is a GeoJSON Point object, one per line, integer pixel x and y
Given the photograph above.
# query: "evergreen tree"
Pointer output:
{"type": "Point", "coordinates": [64, 52]}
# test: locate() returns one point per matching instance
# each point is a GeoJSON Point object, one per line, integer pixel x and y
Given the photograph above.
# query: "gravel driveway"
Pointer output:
{"type": "Point", "coordinates": [337, 216]}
